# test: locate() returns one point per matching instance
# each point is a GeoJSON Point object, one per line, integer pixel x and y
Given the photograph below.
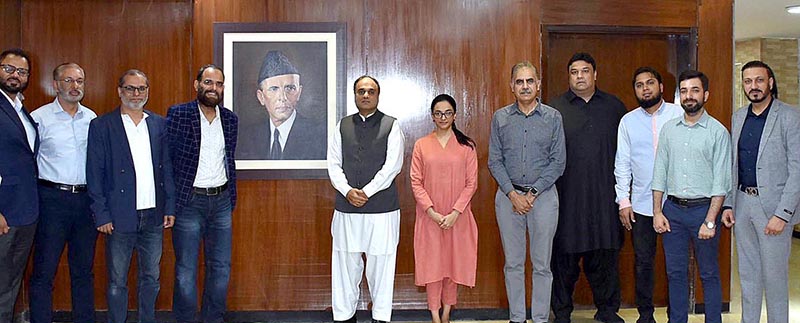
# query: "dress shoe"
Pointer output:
{"type": "Point", "coordinates": [350, 320]}
{"type": "Point", "coordinates": [376, 321]}
{"type": "Point", "coordinates": [608, 317]}
{"type": "Point", "coordinates": [646, 319]}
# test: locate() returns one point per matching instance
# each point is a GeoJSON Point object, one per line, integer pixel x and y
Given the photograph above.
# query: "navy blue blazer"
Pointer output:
{"type": "Point", "coordinates": [111, 176]}
{"type": "Point", "coordinates": [19, 197]}
{"type": "Point", "coordinates": [183, 129]}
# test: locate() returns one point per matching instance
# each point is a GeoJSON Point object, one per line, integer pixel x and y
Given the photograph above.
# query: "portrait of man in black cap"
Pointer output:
{"type": "Point", "coordinates": [286, 134]}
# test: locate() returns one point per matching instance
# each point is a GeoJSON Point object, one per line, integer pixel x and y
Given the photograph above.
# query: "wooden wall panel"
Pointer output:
{"type": "Point", "coordinates": [416, 48]}
{"type": "Point", "coordinates": [676, 13]}
{"type": "Point", "coordinates": [10, 28]}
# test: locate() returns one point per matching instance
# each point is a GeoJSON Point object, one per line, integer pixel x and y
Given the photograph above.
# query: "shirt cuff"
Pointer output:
{"type": "Point", "coordinates": [624, 203]}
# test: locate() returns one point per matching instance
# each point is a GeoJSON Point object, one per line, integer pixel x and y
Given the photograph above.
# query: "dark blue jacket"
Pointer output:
{"type": "Point", "coordinates": [19, 198]}
{"type": "Point", "coordinates": [183, 129]}
{"type": "Point", "coordinates": [111, 176]}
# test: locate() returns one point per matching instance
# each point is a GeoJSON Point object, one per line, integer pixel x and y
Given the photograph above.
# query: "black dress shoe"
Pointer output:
{"type": "Point", "coordinates": [608, 317]}
{"type": "Point", "coordinates": [376, 321]}
{"type": "Point", "coordinates": [350, 320]}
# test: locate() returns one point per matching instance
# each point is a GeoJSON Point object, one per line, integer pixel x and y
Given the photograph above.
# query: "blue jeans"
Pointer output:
{"type": "Point", "coordinates": [119, 249]}
{"type": "Point", "coordinates": [206, 218]}
{"type": "Point", "coordinates": [64, 219]}
{"type": "Point", "coordinates": [684, 224]}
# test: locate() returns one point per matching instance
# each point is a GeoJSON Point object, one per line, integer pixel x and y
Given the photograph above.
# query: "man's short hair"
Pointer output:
{"type": "Point", "coordinates": [366, 77]}
{"type": "Point", "coordinates": [581, 56]}
{"type": "Point", "coordinates": [646, 69]}
{"type": "Point", "coordinates": [690, 74]}
{"type": "Point", "coordinates": [523, 64]}
{"type": "Point", "coordinates": [16, 52]}
{"type": "Point", "coordinates": [60, 69]}
{"type": "Point", "coordinates": [132, 71]}
{"type": "Point", "coordinates": [754, 64]}
{"type": "Point", "coordinates": [207, 66]}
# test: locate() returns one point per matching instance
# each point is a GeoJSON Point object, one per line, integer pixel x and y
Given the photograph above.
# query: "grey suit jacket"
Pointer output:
{"type": "Point", "coordinates": [778, 163]}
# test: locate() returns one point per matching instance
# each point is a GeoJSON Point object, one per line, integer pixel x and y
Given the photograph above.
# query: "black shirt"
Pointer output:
{"type": "Point", "coordinates": [588, 214]}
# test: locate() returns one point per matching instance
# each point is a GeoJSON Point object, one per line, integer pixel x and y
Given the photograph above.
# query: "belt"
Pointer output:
{"type": "Point", "coordinates": [749, 190]}
{"type": "Point", "coordinates": [74, 189]}
{"type": "Point", "coordinates": [525, 189]}
{"type": "Point", "coordinates": [211, 191]}
{"type": "Point", "coordinates": [689, 202]}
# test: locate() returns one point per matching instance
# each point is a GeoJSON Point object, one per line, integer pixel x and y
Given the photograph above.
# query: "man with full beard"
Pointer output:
{"type": "Point", "coordinates": [633, 169]}
{"type": "Point", "coordinates": [693, 168]}
{"type": "Point", "coordinates": [19, 201]}
{"type": "Point", "coordinates": [203, 139]}
{"type": "Point", "coordinates": [64, 214]}
{"type": "Point", "coordinates": [129, 176]}
{"type": "Point", "coordinates": [765, 194]}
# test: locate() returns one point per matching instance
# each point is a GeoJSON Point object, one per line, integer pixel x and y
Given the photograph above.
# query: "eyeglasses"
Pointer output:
{"type": "Point", "coordinates": [10, 69]}
{"type": "Point", "coordinates": [132, 89]}
{"type": "Point", "coordinates": [443, 115]}
{"type": "Point", "coordinates": [70, 80]}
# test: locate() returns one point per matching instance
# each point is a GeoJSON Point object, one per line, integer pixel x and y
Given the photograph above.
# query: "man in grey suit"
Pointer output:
{"type": "Point", "coordinates": [765, 193]}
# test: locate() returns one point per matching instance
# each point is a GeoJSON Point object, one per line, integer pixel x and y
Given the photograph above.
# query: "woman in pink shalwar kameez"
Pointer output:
{"type": "Point", "coordinates": [444, 175]}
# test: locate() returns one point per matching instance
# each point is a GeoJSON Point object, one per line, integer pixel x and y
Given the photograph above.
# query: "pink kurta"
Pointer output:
{"type": "Point", "coordinates": [444, 178]}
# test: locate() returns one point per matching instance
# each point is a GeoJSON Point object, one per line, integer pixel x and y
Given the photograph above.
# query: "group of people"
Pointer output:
{"type": "Point", "coordinates": [571, 177]}
{"type": "Point", "coordinates": [67, 174]}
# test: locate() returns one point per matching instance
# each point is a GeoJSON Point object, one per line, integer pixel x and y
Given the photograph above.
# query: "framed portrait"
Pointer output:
{"type": "Point", "coordinates": [286, 82]}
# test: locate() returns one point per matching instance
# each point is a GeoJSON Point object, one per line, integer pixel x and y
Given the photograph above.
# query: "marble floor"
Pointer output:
{"type": "Point", "coordinates": [630, 315]}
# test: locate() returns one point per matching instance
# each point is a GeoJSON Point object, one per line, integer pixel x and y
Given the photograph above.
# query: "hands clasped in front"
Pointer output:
{"type": "Point", "coordinates": [522, 203]}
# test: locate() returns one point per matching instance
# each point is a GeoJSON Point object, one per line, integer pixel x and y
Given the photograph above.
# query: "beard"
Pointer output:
{"type": "Point", "coordinates": [67, 96]}
{"type": "Point", "coordinates": [646, 103]}
{"type": "Point", "coordinates": [755, 99]}
{"type": "Point", "coordinates": [690, 110]}
{"type": "Point", "coordinates": [135, 105]}
{"type": "Point", "coordinates": [207, 101]}
{"type": "Point", "coordinates": [13, 89]}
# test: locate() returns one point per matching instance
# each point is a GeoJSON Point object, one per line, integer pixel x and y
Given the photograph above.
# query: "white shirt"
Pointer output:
{"type": "Point", "coordinates": [62, 144]}
{"type": "Point", "coordinates": [374, 233]}
{"type": "Point", "coordinates": [139, 143]}
{"type": "Point", "coordinates": [211, 170]}
{"type": "Point", "coordinates": [637, 140]}
{"type": "Point", "coordinates": [283, 129]}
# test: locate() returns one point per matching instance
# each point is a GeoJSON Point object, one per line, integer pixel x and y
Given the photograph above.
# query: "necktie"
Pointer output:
{"type": "Point", "coordinates": [276, 151]}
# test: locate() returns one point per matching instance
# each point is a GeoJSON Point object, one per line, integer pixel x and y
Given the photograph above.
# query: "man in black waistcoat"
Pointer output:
{"type": "Point", "coordinates": [364, 156]}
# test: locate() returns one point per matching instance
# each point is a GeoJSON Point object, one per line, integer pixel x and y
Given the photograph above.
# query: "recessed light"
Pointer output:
{"type": "Point", "coordinates": [793, 9]}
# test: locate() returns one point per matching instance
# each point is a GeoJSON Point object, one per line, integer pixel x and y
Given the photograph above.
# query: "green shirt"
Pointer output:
{"type": "Point", "coordinates": [693, 161]}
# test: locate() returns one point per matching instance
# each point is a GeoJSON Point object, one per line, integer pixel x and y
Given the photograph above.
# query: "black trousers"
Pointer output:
{"type": "Point", "coordinates": [15, 246]}
{"type": "Point", "coordinates": [644, 248]}
{"type": "Point", "coordinates": [600, 267]}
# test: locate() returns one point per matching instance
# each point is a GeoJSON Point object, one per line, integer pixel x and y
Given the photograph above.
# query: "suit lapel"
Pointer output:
{"type": "Point", "coordinates": [12, 114]}
{"type": "Point", "coordinates": [155, 143]}
{"type": "Point", "coordinates": [772, 117]}
{"type": "Point", "coordinates": [738, 123]}
{"type": "Point", "coordinates": [196, 118]}
{"type": "Point", "coordinates": [118, 131]}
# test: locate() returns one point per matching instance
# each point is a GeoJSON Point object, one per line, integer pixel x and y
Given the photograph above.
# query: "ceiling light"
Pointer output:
{"type": "Point", "coordinates": [793, 9]}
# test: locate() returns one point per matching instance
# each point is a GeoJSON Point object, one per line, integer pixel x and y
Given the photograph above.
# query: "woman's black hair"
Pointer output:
{"type": "Point", "coordinates": [460, 136]}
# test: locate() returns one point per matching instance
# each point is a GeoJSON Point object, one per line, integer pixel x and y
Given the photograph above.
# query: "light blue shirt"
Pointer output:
{"type": "Point", "coordinates": [693, 161]}
{"type": "Point", "coordinates": [62, 143]}
{"type": "Point", "coordinates": [637, 139]}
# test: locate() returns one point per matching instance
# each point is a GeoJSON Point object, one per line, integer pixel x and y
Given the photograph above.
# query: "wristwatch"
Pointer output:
{"type": "Point", "coordinates": [710, 225]}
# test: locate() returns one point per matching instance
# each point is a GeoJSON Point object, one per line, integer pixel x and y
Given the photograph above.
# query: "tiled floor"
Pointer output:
{"type": "Point", "coordinates": [630, 315]}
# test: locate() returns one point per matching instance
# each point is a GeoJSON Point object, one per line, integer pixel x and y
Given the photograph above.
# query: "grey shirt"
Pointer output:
{"type": "Point", "coordinates": [526, 149]}
{"type": "Point", "coordinates": [693, 161]}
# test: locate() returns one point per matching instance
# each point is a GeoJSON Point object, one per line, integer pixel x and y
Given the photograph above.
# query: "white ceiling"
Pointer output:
{"type": "Point", "coordinates": [765, 18]}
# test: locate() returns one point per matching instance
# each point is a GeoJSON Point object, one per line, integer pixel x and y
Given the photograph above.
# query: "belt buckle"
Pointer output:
{"type": "Point", "coordinates": [752, 191]}
{"type": "Point", "coordinates": [73, 189]}
{"type": "Point", "coordinates": [212, 191]}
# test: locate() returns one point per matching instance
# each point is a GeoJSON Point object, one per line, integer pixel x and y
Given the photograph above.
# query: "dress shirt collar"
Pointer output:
{"type": "Point", "coordinates": [363, 118]}
{"type": "Point", "coordinates": [126, 117]}
{"type": "Point", "coordinates": [763, 114]}
{"type": "Point", "coordinates": [536, 109]}
{"type": "Point", "coordinates": [571, 96]}
{"type": "Point", "coordinates": [17, 102]}
{"type": "Point", "coordinates": [702, 122]}
{"type": "Point", "coordinates": [58, 109]}
{"type": "Point", "coordinates": [658, 112]}
{"type": "Point", "coordinates": [216, 114]}
{"type": "Point", "coordinates": [283, 128]}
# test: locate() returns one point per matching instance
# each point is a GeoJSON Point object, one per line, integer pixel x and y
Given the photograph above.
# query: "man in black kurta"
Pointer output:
{"type": "Point", "coordinates": [588, 225]}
